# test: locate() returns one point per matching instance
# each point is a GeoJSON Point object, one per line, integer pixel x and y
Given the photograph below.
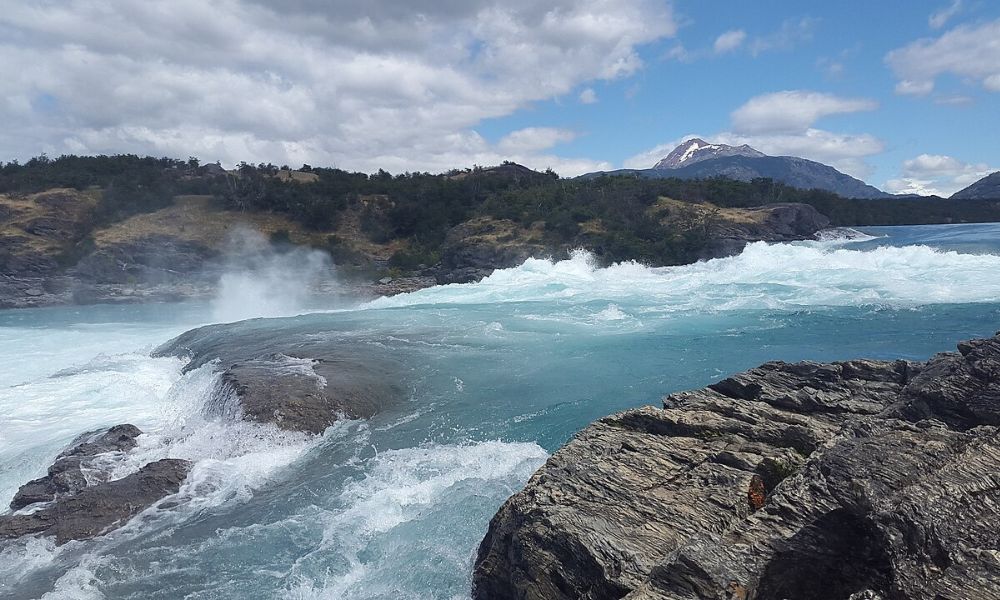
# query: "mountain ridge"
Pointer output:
{"type": "Point", "coordinates": [698, 159]}
{"type": "Point", "coordinates": [987, 188]}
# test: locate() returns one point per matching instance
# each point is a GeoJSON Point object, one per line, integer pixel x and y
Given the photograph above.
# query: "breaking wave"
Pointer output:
{"type": "Point", "coordinates": [763, 276]}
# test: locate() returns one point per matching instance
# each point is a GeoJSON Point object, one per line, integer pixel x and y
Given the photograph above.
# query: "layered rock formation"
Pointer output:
{"type": "Point", "coordinates": [77, 499]}
{"type": "Point", "coordinates": [859, 479]}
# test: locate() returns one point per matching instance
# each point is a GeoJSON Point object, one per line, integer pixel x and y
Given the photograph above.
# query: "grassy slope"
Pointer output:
{"type": "Point", "coordinates": [21, 216]}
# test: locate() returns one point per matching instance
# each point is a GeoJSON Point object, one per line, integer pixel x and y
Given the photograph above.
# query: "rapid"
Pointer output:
{"type": "Point", "coordinates": [498, 374]}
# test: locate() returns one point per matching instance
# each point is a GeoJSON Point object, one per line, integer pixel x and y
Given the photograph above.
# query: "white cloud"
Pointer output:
{"type": "Point", "coordinates": [968, 52]}
{"type": "Point", "coordinates": [907, 87]}
{"type": "Point", "coordinates": [932, 164]}
{"type": "Point", "coordinates": [729, 41]}
{"type": "Point", "coordinates": [533, 139]}
{"type": "Point", "coordinates": [588, 96]}
{"type": "Point", "coordinates": [954, 100]}
{"type": "Point", "coordinates": [792, 111]}
{"type": "Point", "coordinates": [834, 69]}
{"type": "Point", "coordinates": [936, 174]}
{"type": "Point", "coordinates": [939, 18]}
{"type": "Point", "coordinates": [843, 151]}
{"type": "Point", "coordinates": [792, 33]}
{"type": "Point", "coordinates": [386, 83]}
{"type": "Point", "coordinates": [910, 185]}
{"type": "Point", "coordinates": [679, 53]}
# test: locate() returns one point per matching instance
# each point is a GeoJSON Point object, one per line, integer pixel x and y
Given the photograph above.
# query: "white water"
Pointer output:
{"type": "Point", "coordinates": [763, 276]}
{"type": "Point", "coordinates": [498, 371]}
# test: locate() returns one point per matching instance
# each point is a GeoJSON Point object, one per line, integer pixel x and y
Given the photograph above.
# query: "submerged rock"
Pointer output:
{"type": "Point", "coordinates": [297, 376]}
{"type": "Point", "coordinates": [300, 394]}
{"type": "Point", "coordinates": [859, 479]}
{"type": "Point", "coordinates": [77, 500]}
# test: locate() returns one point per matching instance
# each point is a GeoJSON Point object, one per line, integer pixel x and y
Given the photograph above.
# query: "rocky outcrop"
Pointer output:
{"type": "Point", "coordinates": [299, 378]}
{"type": "Point", "coordinates": [38, 230]}
{"type": "Point", "coordinates": [101, 508]}
{"type": "Point", "coordinates": [474, 249]}
{"type": "Point", "coordinates": [155, 258]}
{"type": "Point", "coordinates": [859, 479]}
{"type": "Point", "coordinates": [77, 499]}
{"type": "Point", "coordinates": [66, 475]}
{"type": "Point", "coordinates": [782, 222]}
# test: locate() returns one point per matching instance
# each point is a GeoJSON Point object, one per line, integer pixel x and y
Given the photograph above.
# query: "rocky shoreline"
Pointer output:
{"type": "Point", "coordinates": [857, 479]}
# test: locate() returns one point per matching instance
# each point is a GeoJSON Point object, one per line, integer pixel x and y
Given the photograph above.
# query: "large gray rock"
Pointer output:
{"type": "Point", "coordinates": [297, 377]}
{"type": "Point", "coordinates": [861, 479]}
{"type": "Point", "coordinates": [155, 258]}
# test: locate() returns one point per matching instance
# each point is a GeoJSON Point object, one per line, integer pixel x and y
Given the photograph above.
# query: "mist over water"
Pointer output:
{"type": "Point", "coordinates": [261, 280]}
{"type": "Point", "coordinates": [497, 375]}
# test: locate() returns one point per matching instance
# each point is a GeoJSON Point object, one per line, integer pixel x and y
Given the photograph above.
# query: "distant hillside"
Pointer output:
{"type": "Point", "coordinates": [697, 159]}
{"type": "Point", "coordinates": [107, 228]}
{"type": "Point", "coordinates": [987, 188]}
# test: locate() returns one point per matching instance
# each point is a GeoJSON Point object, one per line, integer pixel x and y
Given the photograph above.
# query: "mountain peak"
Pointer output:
{"type": "Point", "coordinates": [696, 150]}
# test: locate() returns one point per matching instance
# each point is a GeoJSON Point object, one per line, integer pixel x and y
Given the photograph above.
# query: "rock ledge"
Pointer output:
{"type": "Point", "coordinates": [858, 479]}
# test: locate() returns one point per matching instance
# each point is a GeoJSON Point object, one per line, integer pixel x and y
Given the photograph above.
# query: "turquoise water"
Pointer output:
{"type": "Point", "coordinates": [498, 375]}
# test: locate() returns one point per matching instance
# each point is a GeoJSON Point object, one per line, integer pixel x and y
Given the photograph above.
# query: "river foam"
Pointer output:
{"type": "Point", "coordinates": [763, 276]}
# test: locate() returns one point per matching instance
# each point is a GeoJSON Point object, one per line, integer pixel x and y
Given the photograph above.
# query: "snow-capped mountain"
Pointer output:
{"type": "Point", "coordinates": [696, 150]}
{"type": "Point", "coordinates": [698, 159]}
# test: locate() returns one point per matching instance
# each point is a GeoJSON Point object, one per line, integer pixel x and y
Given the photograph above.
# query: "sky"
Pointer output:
{"type": "Point", "coordinates": [904, 95]}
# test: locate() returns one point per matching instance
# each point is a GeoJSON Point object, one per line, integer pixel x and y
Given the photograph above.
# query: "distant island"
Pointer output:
{"type": "Point", "coordinates": [130, 228]}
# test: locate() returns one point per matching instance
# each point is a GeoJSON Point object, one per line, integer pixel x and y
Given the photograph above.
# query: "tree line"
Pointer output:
{"type": "Point", "coordinates": [422, 207]}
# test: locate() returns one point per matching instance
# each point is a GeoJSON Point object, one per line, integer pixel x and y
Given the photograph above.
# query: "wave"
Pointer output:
{"type": "Point", "coordinates": [763, 276]}
{"type": "Point", "coordinates": [384, 532]}
{"type": "Point", "coordinates": [844, 235]}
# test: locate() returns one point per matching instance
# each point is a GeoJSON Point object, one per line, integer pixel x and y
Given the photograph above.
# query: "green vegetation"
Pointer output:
{"type": "Point", "coordinates": [616, 216]}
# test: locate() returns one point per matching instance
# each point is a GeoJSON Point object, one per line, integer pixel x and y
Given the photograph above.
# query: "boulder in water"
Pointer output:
{"type": "Point", "coordinates": [66, 475]}
{"type": "Point", "coordinates": [98, 509]}
{"type": "Point", "coordinates": [76, 500]}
